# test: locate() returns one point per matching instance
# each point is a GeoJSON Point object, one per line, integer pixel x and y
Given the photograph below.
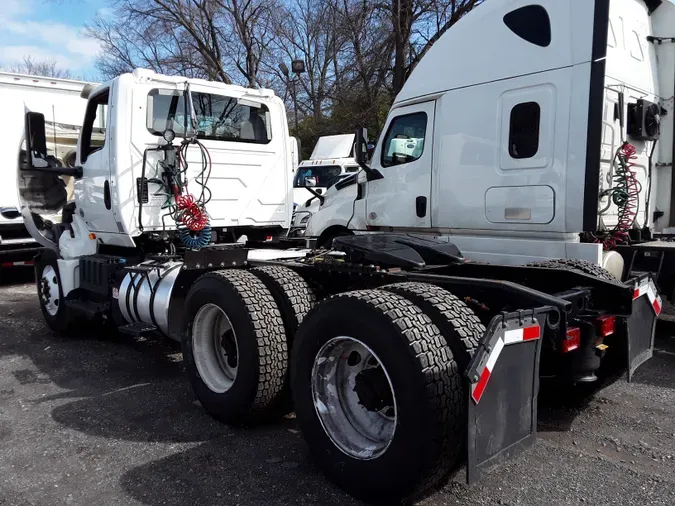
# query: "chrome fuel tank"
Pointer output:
{"type": "Point", "coordinates": [145, 293]}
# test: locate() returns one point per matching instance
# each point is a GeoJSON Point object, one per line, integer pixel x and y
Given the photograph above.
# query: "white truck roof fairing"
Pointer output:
{"type": "Point", "coordinates": [333, 146]}
{"type": "Point", "coordinates": [481, 48]}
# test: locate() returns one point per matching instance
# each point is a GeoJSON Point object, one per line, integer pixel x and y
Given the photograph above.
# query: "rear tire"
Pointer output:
{"type": "Point", "coordinates": [234, 346]}
{"type": "Point", "coordinates": [459, 325]}
{"type": "Point", "coordinates": [424, 395]}
{"type": "Point", "coordinates": [581, 266]}
{"type": "Point", "coordinates": [295, 298]}
{"type": "Point", "coordinates": [56, 313]}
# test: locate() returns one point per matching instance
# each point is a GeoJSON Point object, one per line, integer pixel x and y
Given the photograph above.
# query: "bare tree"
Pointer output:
{"type": "Point", "coordinates": [46, 68]}
{"type": "Point", "coordinates": [214, 39]}
{"type": "Point", "coordinates": [251, 21]}
{"type": "Point", "coordinates": [416, 25]}
{"type": "Point", "coordinates": [304, 32]}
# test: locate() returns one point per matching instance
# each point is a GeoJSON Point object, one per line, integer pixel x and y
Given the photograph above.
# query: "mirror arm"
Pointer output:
{"type": "Point", "coordinates": [316, 194]}
{"type": "Point", "coordinates": [371, 174]}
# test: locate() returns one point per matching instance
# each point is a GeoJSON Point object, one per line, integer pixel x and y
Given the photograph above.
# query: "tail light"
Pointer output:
{"type": "Point", "coordinates": [605, 325]}
{"type": "Point", "coordinates": [572, 340]}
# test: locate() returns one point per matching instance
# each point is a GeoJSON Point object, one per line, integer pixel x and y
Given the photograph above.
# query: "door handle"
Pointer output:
{"type": "Point", "coordinates": [421, 206]}
{"type": "Point", "coordinates": [106, 195]}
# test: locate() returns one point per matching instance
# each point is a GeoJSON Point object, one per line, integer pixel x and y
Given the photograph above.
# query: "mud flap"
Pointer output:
{"type": "Point", "coordinates": [641, 324]}
{"type": "Point", "coordinates": [502, 388]}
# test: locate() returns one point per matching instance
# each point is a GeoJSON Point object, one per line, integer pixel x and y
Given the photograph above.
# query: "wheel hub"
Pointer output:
{"type": "Point", "coordinates": [354, 398]}
{"type": "Point", "coordinates": [215, 349]}
{"type": "Point", "coordinates": [48, 288]}
{"type": "Point", "coordinates": [372, 389]}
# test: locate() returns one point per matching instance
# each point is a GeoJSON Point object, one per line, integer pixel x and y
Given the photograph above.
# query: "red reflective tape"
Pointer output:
{"type": "Point", "coordinates": [12, 264]}
{"type": "Point", "coordinates": [636, 293]}
{"type": "Point", "coordinates": [530, 333]}
{"type": "Point", "coordinates": [480, 386]}
{"type": "Point", "coordinates": [657, 306]}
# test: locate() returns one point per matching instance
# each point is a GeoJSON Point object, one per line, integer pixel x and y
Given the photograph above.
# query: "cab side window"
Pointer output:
{"type": "Point", "coordinates": [404, 142]}
{"type": "Point", "coordinates": [93, 128]}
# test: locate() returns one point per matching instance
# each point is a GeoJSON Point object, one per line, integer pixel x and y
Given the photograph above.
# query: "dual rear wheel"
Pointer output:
{"type": "Point", "coordinates": [375, 375]}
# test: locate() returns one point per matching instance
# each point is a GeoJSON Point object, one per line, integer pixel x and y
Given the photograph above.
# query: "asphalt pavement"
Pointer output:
{"type": "Point", "coordinates": [102, 419]}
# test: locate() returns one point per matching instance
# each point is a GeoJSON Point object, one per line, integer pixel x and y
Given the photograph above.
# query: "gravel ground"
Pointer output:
{"type": "Point", "coordinates": [95, 419]}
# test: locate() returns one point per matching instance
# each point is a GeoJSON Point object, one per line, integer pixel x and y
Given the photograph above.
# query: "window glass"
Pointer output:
{"type": "Point", "coordinates": [524, 130]}
{"type": "Point", "coordinates": [94, 127]}
{"type": "Point", "coordinates": [530, 23]}
{"type": "Point", "coordinates": [404, 142]}
{"type": "Point", "coordinates": [219, 117]}
{"type": "Point", "coordinates": [323, 176]}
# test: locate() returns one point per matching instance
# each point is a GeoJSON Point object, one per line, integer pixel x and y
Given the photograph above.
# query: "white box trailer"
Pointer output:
{"type": "Point", "coordinates": [60, 101]}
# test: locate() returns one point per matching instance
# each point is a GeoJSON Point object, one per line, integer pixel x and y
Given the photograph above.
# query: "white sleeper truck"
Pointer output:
{"type": "Point", "coordinates": [550, 135]}
{"type": "Point", "coordinates": [402, 359]}
{"type": "Point", "coordinates": [59, 100]}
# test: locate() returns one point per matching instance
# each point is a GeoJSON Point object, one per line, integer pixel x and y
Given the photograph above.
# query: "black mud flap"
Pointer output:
{"type": "Point", "coordinates": [502, 388]}
{"type": "Point", "coordinates": [642, 324]}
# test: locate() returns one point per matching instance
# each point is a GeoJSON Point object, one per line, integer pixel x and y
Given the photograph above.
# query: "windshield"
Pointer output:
{"type": "Point", "coordinates": [322, 176]}
{"type": "Point", "coordinates": [219, 117]}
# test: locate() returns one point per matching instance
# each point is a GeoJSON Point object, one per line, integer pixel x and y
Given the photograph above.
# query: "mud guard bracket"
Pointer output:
{"type": "Point", "coordinates": [641, 324]}
{"type": "Point", "coordinates": [502, 387]}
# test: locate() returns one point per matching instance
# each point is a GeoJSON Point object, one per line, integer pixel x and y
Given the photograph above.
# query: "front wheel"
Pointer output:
{"type": "Point", "coordinates": [56, 313]}
{"type": "Point", "coordinates": [377, 395]}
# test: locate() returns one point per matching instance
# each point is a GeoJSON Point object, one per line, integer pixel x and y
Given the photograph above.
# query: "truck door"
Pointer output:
{"type": "Point", "coordinates": [94, 189]}
{"type": "Point", "coordinates": [402, 197]}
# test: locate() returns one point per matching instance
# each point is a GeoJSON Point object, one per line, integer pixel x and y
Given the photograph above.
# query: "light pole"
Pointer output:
{"type": "Point", "coordinates": [297, 67]}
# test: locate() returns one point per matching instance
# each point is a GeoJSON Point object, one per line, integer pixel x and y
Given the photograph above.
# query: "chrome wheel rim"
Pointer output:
{"type": "Point", "coordinates": [354, 398]}
{"type": "Point", "coordinates": [215, 348]}
{"type": "Point", "coordinates": [49, 290]}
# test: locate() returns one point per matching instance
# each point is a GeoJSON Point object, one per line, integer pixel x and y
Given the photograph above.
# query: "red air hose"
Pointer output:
{"type": "Point", "coordinates": [625, 195]}
{"type": "Point", "coordinates": [191, 213]}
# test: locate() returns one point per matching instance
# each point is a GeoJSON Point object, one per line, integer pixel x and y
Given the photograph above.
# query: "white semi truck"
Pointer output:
{"type": "Point", "coordinates": [59, 100]}
{"type": "Point", "coordinates": [514, 148]}
{"type": "Point", "coordinates": [403, 360]}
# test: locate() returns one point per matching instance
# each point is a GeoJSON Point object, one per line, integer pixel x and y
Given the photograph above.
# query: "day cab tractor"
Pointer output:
{"type": "Point", "coordinates": [402, 360]}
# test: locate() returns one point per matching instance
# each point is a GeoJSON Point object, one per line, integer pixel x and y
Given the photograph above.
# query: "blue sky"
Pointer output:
{"type": "Point", "coordinates": [50, 30]}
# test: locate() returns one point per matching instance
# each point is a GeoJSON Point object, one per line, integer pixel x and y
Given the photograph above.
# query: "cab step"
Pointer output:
{"type": "Point", "coordinates": [88, 307]}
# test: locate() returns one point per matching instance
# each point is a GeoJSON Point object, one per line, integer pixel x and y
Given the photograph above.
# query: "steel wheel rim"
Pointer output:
{"type": "Point", "coordinates": [349, 413]}
{"type": "Point", "coordinates": [215, 348]}
{"type": "Point", "coordinates": [49, 290]}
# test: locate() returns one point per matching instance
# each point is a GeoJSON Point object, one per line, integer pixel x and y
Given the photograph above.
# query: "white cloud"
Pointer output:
{"type": "Point", "coordinates": [14, 8]}
{"type": "Point", "coordinates": [16, 54]}
{"type": "Point", "coordinates": [106, 12]}
{"type": "Point", "coordinates": [44, 40]}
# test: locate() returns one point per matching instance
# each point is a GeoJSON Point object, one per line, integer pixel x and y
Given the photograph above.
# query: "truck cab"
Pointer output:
{"type": "Point", "coordinates": [331, 160]}
{"type": "Point", "coordinates": [120, 198]}
{"type": "Point", "coordinates": [508, 149]}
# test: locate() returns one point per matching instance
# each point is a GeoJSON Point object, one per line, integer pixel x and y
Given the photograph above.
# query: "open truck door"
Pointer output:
{"type": "Point", "coordinates": [42, 191]}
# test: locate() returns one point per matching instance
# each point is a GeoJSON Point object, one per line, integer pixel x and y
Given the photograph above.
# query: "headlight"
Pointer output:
{"type": "Point", "coordinates": [304, 220]}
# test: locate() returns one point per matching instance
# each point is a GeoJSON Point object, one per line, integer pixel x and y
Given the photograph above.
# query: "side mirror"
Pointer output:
{"type": "Point", "coordinates": [361, 145]}
{"type": "Point", "coordinates": [36, 158]}
{"type": "Point", "coordinates": [310, 181]}
{"type": "Point", "coordinates": [36, 140]}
